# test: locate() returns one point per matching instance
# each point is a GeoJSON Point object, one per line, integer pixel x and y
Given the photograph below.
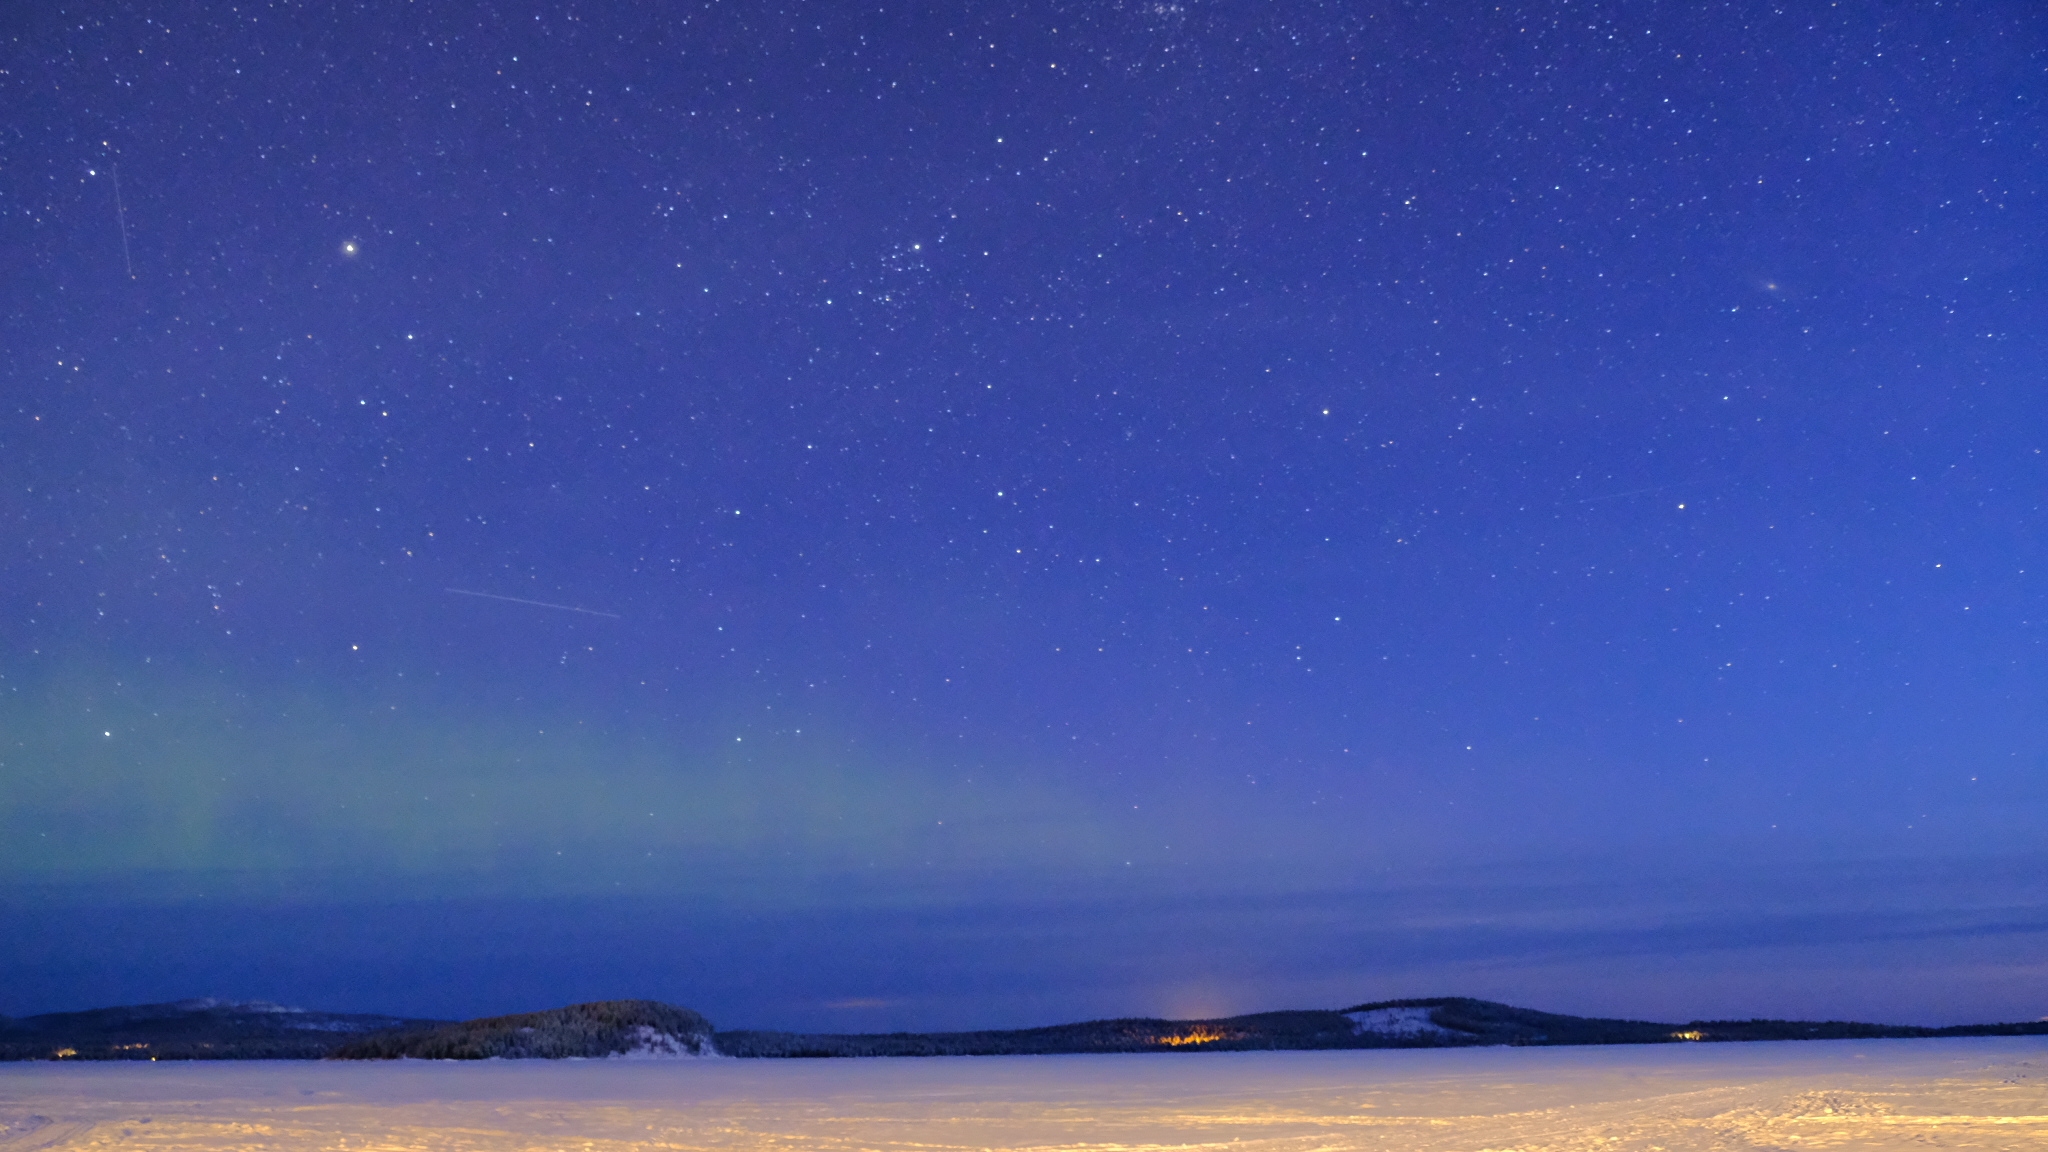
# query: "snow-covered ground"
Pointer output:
{"type": "Point", "coordinates": [1873, 1094]}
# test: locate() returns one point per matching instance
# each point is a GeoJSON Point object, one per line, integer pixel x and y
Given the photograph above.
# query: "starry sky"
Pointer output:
{"type": "Point", "coordinates": [877, 515]}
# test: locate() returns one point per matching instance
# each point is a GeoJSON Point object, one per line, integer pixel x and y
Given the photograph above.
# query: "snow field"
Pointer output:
{"type": "Point", "coordinates": [1989, 1093]}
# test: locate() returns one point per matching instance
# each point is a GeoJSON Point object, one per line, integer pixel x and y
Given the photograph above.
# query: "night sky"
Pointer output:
{"type": "Point", "coordinates": [872, 516]}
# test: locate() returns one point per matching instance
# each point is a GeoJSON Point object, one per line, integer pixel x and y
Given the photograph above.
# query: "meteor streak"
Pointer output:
{"type": "Point", "coordinates": [1619, 495]}
{"type": "Point", "coordinates": [534, 603]}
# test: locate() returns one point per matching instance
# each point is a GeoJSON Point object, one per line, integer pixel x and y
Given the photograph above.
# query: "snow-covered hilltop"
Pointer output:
{"type": "Point", "coordinates": [631, 1029]}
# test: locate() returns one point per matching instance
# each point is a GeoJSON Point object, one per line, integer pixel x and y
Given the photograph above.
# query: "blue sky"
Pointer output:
{"type": "Point", "coordinates": [855, 517]}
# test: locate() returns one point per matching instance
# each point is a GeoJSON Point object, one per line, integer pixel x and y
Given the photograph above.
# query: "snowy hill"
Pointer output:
{"type": "Point", "coordinates": [628, 1029]}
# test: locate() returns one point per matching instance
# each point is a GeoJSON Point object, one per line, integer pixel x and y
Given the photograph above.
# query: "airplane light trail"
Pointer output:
{"type": "Point", "coordinates": [535, 603]}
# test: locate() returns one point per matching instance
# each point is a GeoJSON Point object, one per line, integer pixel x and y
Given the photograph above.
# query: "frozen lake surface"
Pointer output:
{"type": "Point", "coordinates": [1973, 1093]}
